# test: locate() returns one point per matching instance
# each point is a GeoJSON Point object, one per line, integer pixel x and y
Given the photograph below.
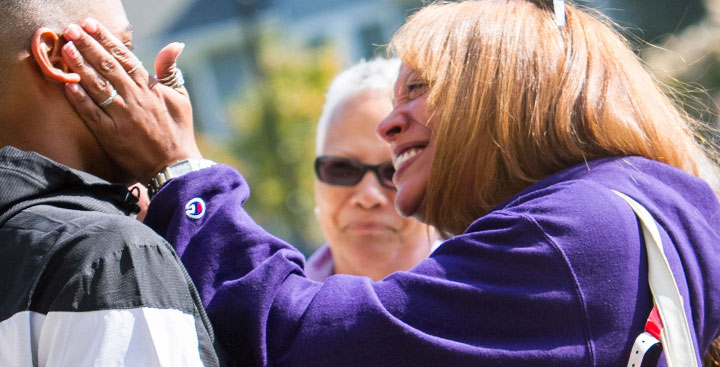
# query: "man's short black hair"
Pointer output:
{"type": "Point", "coordinates": [21, 18]}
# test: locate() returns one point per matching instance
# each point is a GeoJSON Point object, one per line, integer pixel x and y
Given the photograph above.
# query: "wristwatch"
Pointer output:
{"type": "Point", "coordinates": [175, 170]}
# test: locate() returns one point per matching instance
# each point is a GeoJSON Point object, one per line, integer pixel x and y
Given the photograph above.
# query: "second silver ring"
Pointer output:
{"type": "Point", "coordinates": [175, 79]}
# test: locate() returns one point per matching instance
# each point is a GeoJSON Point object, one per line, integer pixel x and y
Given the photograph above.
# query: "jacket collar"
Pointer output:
{"type": "Point", "coordinates": [29, 176]}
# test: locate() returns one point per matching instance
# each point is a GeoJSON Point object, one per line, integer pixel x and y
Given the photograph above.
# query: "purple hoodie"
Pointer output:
{"type": "Point", "coordinates": [555, 276]}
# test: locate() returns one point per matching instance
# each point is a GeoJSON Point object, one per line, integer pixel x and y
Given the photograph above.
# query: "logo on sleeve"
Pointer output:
{"type": "Point", "coordinates": [195, 208]}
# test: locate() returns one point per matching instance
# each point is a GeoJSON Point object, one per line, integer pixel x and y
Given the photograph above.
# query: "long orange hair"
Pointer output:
{"type": "Point", "coordinates": [515, 98]}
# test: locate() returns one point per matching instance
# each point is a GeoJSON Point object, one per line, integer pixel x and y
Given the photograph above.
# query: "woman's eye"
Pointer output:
{"type": "Point", "coordinates": [416, 89]}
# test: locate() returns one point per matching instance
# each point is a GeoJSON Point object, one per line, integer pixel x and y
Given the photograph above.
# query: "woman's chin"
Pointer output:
{"type": "Point", "coordinates": [408, 205]}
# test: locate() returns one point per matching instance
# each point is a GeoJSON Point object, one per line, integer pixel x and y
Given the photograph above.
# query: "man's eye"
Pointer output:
{"type": "Point", "coordinates": [130, 46]}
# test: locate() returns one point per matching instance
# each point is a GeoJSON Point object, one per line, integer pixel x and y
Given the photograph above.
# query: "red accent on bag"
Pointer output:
{"type": "Point", "coordinates": [654, 324]}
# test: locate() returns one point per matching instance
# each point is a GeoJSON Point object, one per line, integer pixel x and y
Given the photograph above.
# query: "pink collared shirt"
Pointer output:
{"type": "Point", "coordinates": [320, 264]}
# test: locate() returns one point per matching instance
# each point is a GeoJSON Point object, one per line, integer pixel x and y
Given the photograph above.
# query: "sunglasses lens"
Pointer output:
{"type": "Point", "coordinates": [386, 171]}
{"type": "Point", "coordinates": [338, 171]}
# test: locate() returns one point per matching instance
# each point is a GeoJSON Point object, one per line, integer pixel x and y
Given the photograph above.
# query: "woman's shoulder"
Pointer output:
{"type": "Point", "coordinates": [576, 209]}
{"type": "Point", "coordinates": [575, 213]}
{"type": "Point", "coordinates": [588, 187]}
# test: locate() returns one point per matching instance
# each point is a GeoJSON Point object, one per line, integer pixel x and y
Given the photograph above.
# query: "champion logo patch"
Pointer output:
{"type": "Point", "coordinates": [195, 208]}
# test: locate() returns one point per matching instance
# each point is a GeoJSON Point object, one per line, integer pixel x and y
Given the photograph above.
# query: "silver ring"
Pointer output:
{"type": "Point", "coordinates": [109, 100]}
{"type": "Point", "coordinates": [175, 79]}
{"type": "Point", "coordinates": [134, 68]}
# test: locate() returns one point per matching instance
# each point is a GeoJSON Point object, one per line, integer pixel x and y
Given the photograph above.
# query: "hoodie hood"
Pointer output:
{"type": "Point", "coordinates": [28, 179]}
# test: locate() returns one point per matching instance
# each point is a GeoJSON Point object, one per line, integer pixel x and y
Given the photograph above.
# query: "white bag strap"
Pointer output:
{"type": "Point", "coordinates": [644, 343]}
{"type": "Point", "coordinates": [675, 336]}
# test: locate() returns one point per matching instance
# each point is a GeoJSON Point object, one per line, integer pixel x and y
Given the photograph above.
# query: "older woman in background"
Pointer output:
{"type": "Point", "coordinates": [354, 193]}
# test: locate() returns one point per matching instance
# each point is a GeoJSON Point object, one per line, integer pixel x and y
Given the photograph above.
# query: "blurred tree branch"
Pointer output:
{"type": "Point", "coordinates": [274, 123]}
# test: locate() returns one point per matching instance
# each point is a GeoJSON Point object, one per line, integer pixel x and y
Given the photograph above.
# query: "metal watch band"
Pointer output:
{"type": "Point", "coordinates": [175, 170]}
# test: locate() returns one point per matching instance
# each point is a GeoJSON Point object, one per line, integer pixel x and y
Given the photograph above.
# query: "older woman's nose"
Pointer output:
{"type": "Point", "coordinates": [370, 194]}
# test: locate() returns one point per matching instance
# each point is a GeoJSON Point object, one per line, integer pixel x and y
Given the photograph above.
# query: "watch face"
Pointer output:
{"type": "Point", "coordinates": [177, 169]}
{"type": "Point", "coordinates": [180, 169]}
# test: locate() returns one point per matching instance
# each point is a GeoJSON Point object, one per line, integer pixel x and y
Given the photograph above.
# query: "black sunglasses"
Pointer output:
{"type": "Point", "coordinates": [348, 172]}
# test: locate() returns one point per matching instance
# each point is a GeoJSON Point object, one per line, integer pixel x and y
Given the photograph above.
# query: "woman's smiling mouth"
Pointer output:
{"type": "Point", "coordinates": [406, 155]}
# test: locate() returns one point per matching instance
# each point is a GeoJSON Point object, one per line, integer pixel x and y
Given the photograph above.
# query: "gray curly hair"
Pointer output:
{"type": "Point", "coordinates": [375, 75]}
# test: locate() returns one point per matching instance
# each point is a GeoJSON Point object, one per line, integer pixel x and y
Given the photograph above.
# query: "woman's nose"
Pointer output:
{"type": "Point", "coordinates": [391, 126]}
{"type": "Point", "coordinates": [370, 194]}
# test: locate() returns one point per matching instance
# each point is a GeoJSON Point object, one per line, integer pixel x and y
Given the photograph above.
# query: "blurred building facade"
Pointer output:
{"type": "Point", "coordinates": [218, 59]}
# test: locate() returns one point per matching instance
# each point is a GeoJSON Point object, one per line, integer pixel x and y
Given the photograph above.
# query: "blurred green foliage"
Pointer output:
{"type": "Point", "coordinates": [273, 144]}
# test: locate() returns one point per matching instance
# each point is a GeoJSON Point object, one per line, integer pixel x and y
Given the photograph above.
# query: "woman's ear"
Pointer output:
{"type": "Point", "coordinates": [46, 47]}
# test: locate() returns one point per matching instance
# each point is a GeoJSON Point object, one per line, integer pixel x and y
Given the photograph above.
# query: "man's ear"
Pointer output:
{"type": "Point", "coordinates": [46, 47]}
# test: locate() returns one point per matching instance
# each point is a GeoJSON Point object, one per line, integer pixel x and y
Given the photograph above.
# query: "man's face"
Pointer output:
{"type": "Point", "coordinates": [112, 15]}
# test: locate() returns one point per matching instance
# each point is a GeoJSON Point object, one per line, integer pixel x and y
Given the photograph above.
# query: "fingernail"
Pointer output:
{"type": "Point", "coordinates": [73, 88]}
{"type": "Point", "coordinates": [72, 32]}
{"type": "Point", "coordinates": [179, 46]}
{"type": "Point", "coordinates": [90, 25]}
{"type": "Point", "coordinates": [71, 49]}
{"type": "Point", "coordinates": [182, 47]}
